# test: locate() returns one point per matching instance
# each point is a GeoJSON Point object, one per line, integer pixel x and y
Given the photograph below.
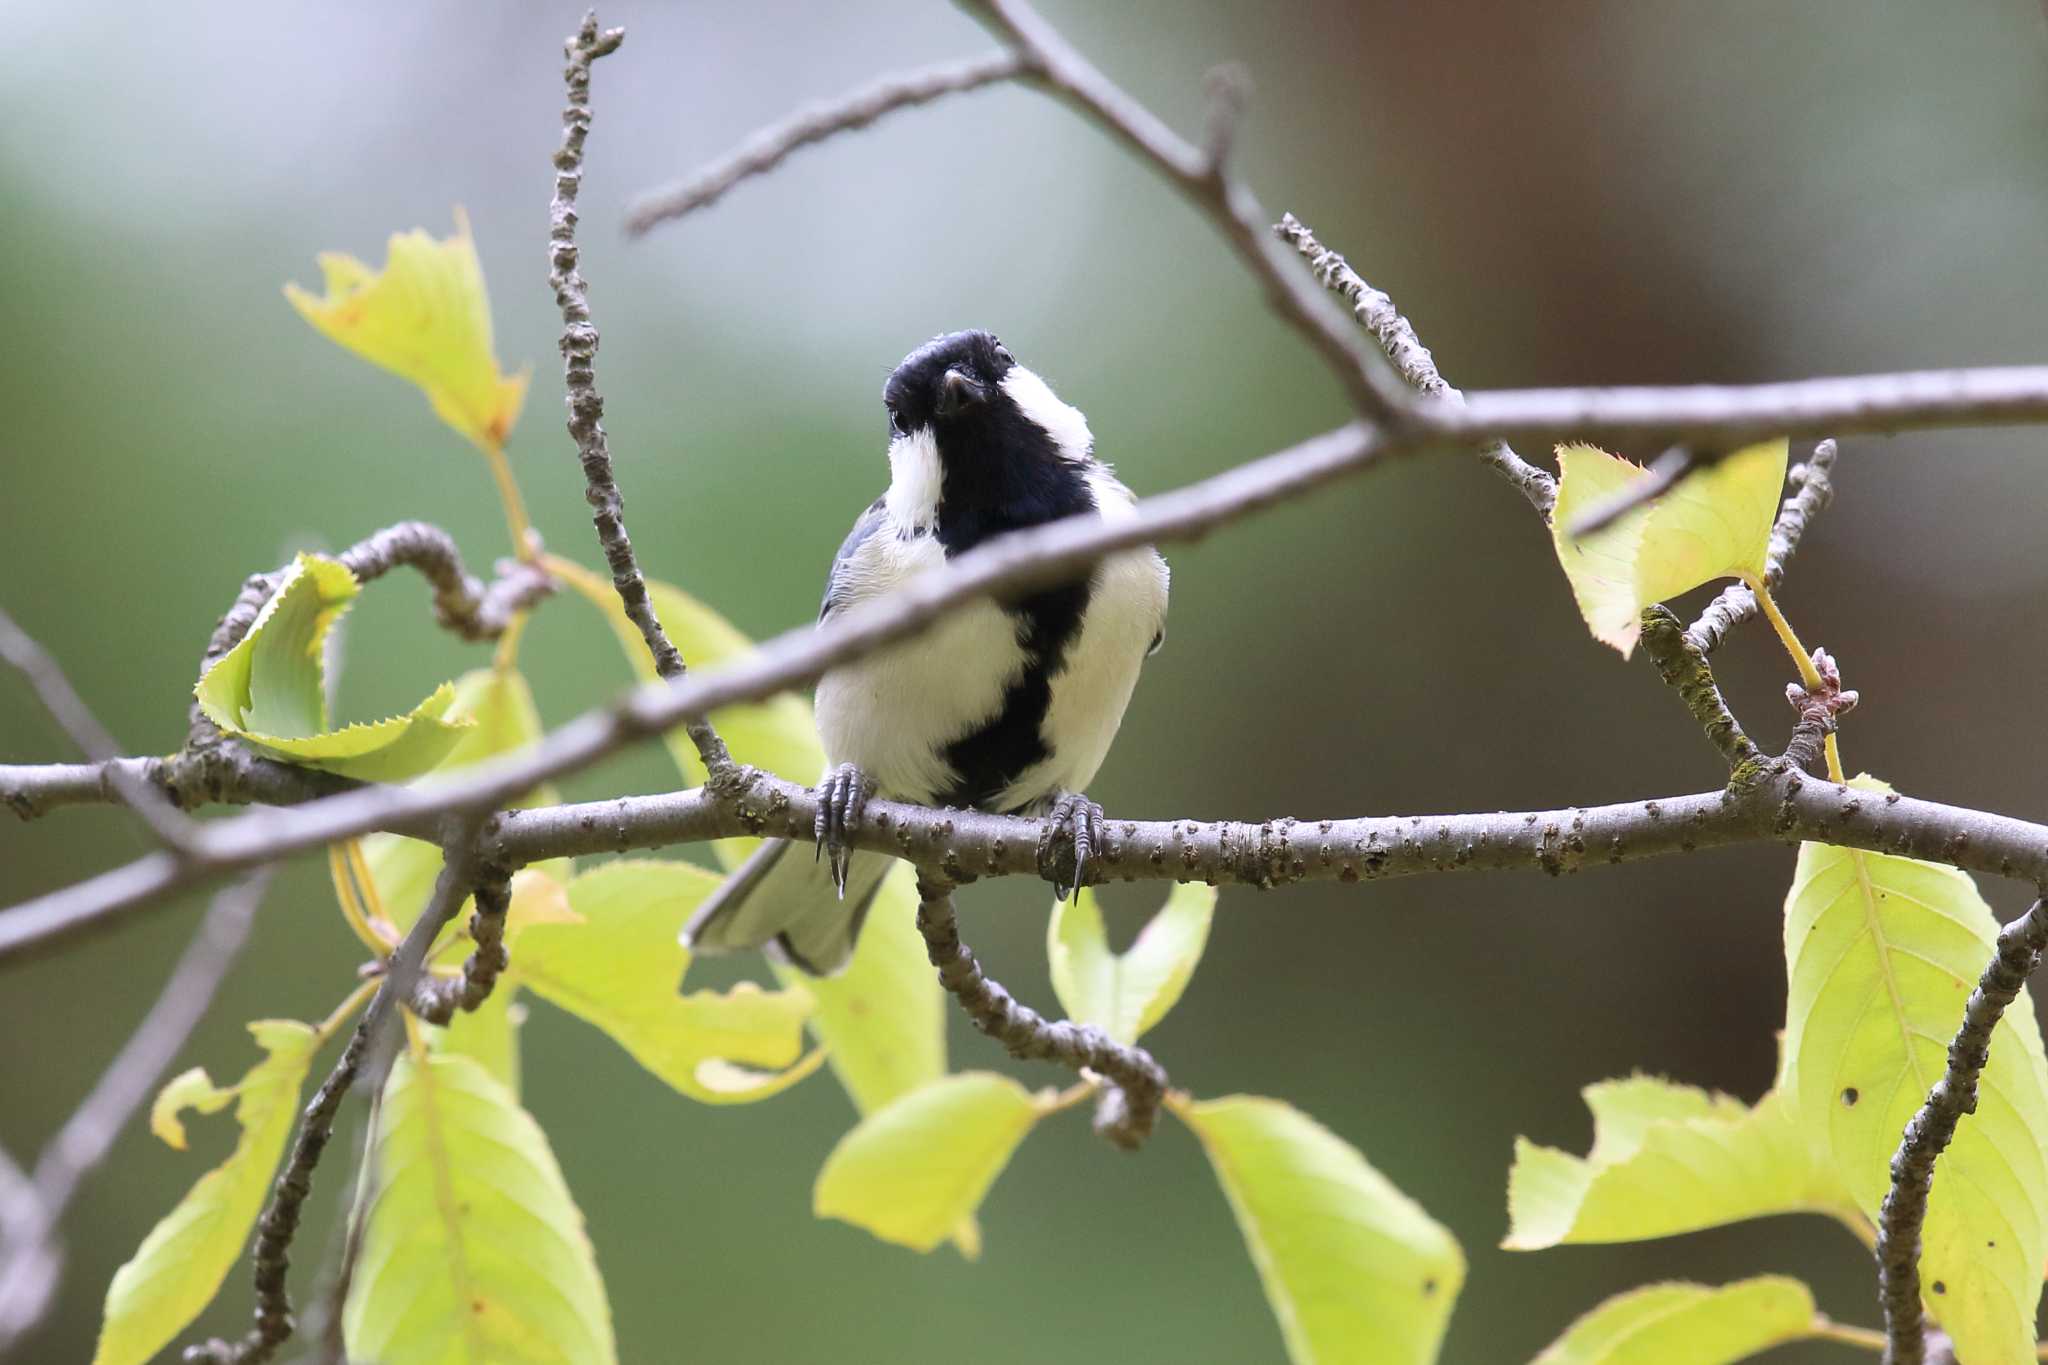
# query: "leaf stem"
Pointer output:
{"type": "Point", "coordinates": [1827, 1329]}
{"type": "Point", "coordinates": [350, 1003]}
{"type": "Point", "coordinates": [1809, 676]}
{"type": "Point", "coordinates": [515, 503]}
{"type": "Point", "coordinates": [342, 869]}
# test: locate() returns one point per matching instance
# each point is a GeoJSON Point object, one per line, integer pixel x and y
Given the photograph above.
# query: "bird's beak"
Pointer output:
{"type": "Point", "coordinates": [958, 391]}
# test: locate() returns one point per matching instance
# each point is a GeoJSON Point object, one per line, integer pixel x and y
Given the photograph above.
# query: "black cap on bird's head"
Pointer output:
{"type": "Point", "coordinates": [946, 380]}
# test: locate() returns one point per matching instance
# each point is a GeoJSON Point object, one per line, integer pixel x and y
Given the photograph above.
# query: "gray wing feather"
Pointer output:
{"type": "Point", "coordinates": [781, 899]}
{"type": "Point", "coordinates": [870, 522]}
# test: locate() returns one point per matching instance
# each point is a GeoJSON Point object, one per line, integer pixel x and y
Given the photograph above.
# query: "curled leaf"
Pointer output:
{"type": "Point", "coordinates": [270, 690]}
{"type": "Point", "coordinates": [425, 317]}
{"type": "Point", "coordinates": [1715, 524]}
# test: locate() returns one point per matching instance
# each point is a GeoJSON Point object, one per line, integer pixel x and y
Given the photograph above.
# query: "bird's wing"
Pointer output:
{"type": "Point", "coordinates": [869, 522]}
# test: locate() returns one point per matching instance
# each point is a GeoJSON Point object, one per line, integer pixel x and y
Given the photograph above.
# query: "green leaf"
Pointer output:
{"type": "Point", "coordinates": [270, 689]}
{"type": "Point", "coordinates": [1666, 1159]}
{"type": "Point", "coordinates": [914, 1171]}
{"type": "Point", "coordinates": [180, 1265]}
{"type": "Point", "coordinates": [503, 719]}
{"type": "Point", "coordinates": [425, 317]}
{"type": "Point", "coordinates": [488, 1035]}
{"type": "Point", "coordinates": [620, 967]}
{"type": "Point", "coordinates": [1127, 993]}
{"type": "Point", "coordinates": [1354, 1269]}
{"type": "Point", "coordinates": [473, 1250]}
{"type": "Point", "coordinates": [882, 1020]}
{"type": "Point", "coordinates": [1688, 1324]}
{"type": "Point", "coordinates": [1881, 953]}
{"type": "Point", "coordinates": [1715, 524]}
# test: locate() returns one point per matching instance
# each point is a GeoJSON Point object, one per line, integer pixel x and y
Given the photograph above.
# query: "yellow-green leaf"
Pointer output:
{"type": "Point", "coordinates": [620, 967]}
{"type": "Point", "coordinates": [425, 317]}
{"type": "Point", "coordinates": [501, 717]}
{"type": "Point", "coordinates": [1715, 524]}
{"type": "Point", "coordinates": [180, 1265]}
{"type": "Point", "coordinates": [914, 1171]}
{"type": "Point", "coordinates": [1688, 1324]}
{"type": "Point", "coordinates": [1127, 993]}
{"type": "Point", "coordinates": [1666, 1159]}
{"type": "Point", "coordinates": [1355, 1271]}
{"type": "Point", "coordinates": [883, 1019]}
{"type": "Point", "coordinates": [270, 689]}
{"type": "Point", "coordinates": [1881, 953]}
{"type": "Point", "coordinates": [473, 1249]}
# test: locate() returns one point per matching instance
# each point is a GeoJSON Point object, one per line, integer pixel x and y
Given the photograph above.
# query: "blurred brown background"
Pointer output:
{"type": "Point", "coordinates": [1565, 193]}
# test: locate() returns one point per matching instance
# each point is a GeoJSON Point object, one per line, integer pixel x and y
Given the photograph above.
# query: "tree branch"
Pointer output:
{"type": "Point", "coordinates": [76, 720]}
{"type": "Point", "coordinates": [1128, 1110]}
{"type": "Point", "coordinates": [30, 1212]}
{"type": "Point", "coordinates": [1812, 490]}
{"type": "Point", "coordinates": [1928, 1133]}
{"type": "Point", "coordinates": [1376, 312]}
{"type": "Point", "coordinates": [1683, 667]}
{"type": "Point", "coordinates": [367, 1057]}
{"type": "Point", "coordinates": [1051, 63]}
{"type": "Point", "coordinates": [579, 367]}
{"type": "Point", "coordinates": [473, 610]}
{"type": "Point", "coordinates": [771, 146]}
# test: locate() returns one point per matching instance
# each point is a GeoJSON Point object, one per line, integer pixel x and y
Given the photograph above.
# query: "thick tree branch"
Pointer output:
{"type": "Point", "coordinates": [1128, 1109]}
{"type": "Point", "coordinates": [771, 146]}
{"type": "Point", "coordinates": [1928, 1133]}
{"type": "Point", "coordinates": [31, 1210]}
{"type": "Point", "coordinates": [1812, 490]}
{"type": "Point", "coordinates": [1376, 312]}
{"type": "Point", "coordinates": [579, 366]}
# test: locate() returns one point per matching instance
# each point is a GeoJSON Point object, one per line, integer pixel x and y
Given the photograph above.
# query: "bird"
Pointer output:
{"type": "Point", "coordinates": [1006, 706]}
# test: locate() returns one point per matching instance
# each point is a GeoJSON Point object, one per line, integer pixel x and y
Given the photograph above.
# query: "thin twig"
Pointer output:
{"type": "Point", "coordinates": [1053, 63]}
{"type": "Point", "coordinates": [76, 720]}
{"type": "Point", "coordinates": [1812, 490]}
{"type": "Point", "coordinates": [473, 610]}
{"type": "Point", "coordinates": [1137, 1083]}
{"type": "Point", "coordinates": [367, 1057]}
{"type": "Point", "coordinates": [1376, 311]}
{"type": "Point", "coordinates": [29, 1217]}
{"type": "Point", "coordinates": [1683, 667]}
{"type": "Point", "coordinates": [769, 147]}
{"type": "Point", "coordinates": [579, 366]}
{"type": "Point", "coordinates": [1928, 1133]}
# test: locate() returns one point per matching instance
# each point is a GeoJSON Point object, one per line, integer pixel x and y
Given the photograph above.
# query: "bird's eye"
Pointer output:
{"type": "Point", "coordinates": [897, 424]}
{"type": "Point", "coordinates": [1003, 354]}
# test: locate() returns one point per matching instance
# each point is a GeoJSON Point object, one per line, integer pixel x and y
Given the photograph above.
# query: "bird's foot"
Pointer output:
{"type": "Point", "coordinates": [842, 801]}
{"type": "Point", "coordinates": [1079, 820]}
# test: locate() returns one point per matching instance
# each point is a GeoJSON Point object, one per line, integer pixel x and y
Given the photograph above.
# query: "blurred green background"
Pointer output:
{"type": "Point", "coordinates": [1565, 193]}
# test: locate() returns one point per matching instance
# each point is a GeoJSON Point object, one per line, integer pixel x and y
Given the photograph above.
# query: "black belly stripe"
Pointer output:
{"type": "Point", "coordinates": [989, 759]}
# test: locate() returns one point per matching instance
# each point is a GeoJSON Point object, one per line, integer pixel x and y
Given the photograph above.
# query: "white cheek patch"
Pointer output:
{"type": "Point", "coordinates": [915, 480]}
{"type": "Point", "coordinates": [1061, 421]}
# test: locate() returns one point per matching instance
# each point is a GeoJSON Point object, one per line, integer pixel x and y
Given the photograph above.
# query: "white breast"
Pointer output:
{"type": "Point", "coordinates": [894, 712]}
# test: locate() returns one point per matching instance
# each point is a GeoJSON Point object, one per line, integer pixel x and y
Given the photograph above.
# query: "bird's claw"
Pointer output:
{"type": "Point", "coordinates": [842, 799]}
{"type": "Point", "coordinates": [1080, 820]}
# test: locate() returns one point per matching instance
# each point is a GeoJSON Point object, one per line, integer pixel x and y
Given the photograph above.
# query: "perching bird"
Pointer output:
{"type": "Point", "coordinates": [1005, 707]}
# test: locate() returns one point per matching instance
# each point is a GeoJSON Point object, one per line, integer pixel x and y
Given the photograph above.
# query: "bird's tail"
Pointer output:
{"type": "Point", "coordinates": [782, 900]}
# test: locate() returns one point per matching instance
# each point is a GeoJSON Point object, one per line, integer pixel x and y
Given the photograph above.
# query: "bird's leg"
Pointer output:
{"type": "Point", "coordinates": [842, 798]}
{"type": "Point", "coordinates": [1078, 819]}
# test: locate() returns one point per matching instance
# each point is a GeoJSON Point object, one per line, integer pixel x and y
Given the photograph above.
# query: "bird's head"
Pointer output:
{"type": "Point", "coordinates": [962, 402]}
